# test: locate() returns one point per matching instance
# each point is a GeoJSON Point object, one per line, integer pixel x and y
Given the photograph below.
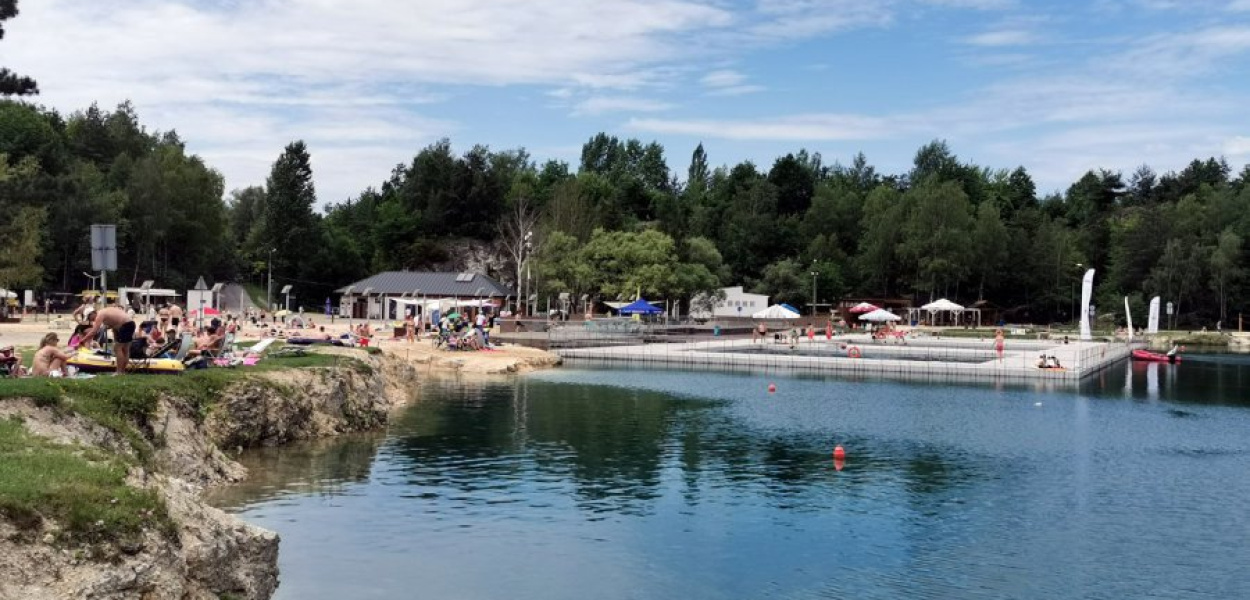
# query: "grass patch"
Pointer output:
{"type": "Point", "coordinates": [82, 489]}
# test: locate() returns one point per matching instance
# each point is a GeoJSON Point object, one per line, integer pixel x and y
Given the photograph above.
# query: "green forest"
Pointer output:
{"type": "Point", "coordinates": [622, 222]}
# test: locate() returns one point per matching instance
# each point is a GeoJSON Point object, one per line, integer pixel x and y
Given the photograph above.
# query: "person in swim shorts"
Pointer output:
{"type": "Point", "coordinates": [123, 328]}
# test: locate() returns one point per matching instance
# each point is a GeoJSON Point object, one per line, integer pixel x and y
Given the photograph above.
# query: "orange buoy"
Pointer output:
{"type": "Point", "coordinates": [772, 388]}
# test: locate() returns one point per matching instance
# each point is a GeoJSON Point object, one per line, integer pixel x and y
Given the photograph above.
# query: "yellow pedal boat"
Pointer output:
{"type": "Point", "coordinates": [89, 361]}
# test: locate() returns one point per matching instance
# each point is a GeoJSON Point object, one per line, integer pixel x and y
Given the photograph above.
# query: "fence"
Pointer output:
{"type": "Point", "coordinates": [925, 359]}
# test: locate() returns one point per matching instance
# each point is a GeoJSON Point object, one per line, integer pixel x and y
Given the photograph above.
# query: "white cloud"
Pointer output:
{"type": "Point", "coordinates": [805, 127]}
{"type": "Point", "coordinates": [1237, 146]}
{"type": "Point", "coordinates": [597, 105]}
{"type": "Point", "coordinates": [973, 4]}
{"type": "Point", "coordinates": [736, 90]}
{"type": "Point", "coordinates": [727, 82]}
{"type": "Point", "coordinates": [1185, 54]}
{"type": "Point", "coordinates": [1002, 37]}
{"type": "Point", "coordinates": [723, 78]}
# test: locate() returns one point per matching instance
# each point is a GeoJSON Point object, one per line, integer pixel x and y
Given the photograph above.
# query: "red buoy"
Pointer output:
{"type": "Point", "coordinates": [839, 464]}
{"type": "Point", "coordinates": [839, 453]}
{"type": "Point", "coordinates": [772, 388]}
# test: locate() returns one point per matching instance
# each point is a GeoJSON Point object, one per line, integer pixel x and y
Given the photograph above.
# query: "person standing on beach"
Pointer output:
{"type": "Point", "coordinates": [999, 345]}
{"type": "Point", "coordinates": [123, 327]}
{"type": "Point", "coordinates": [175, 314]}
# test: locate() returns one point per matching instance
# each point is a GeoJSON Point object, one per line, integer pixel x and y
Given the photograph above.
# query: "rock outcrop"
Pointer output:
{"type": "Point", "coordinates": [211, 554]}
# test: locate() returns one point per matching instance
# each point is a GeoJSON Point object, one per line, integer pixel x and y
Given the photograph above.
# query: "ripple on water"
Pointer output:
{"type": "Point", "coordinates": [609, 484]}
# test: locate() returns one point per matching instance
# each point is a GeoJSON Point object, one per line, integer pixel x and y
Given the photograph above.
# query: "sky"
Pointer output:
{"type": "Point", "coordinates": [1059, 87]}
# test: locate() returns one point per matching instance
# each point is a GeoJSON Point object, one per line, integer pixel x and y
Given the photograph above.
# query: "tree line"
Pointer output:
{"type": "Point", "coordinates": [622, 223]}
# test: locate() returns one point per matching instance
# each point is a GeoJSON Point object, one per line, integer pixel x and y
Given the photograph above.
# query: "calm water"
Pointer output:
{"type": "Point", "coordinates": [640, 484]}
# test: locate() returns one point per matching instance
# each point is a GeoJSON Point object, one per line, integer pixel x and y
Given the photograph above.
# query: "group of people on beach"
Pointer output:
{"type": "Point", "coordinates": [154, 338]}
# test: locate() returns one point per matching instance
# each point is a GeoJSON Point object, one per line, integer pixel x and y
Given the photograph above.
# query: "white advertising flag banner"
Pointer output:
{"type": "Point", "coordinates": [1128, 314]}
{"type": "Point", "coordinates": [1152, 322]}
{"type": "Point", "coordinates": [1087, 292]}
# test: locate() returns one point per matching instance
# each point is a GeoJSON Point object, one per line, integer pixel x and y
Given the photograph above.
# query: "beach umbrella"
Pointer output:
{"type": "Point", "coordinates": [879, 316]}
{"type": "Point", "coordinates": [282, 313]}
{"type": "Point", "coordinates": [776, 311]}
{"type": "Point", "coordinates": [863, 307]}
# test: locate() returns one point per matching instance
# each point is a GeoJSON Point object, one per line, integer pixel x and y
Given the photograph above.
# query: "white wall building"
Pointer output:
{"type": "Point", "coordinates": [737, 303]}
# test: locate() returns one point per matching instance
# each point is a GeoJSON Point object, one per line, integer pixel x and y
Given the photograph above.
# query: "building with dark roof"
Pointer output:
{"type": "Point", "coordinates": [369, 297]}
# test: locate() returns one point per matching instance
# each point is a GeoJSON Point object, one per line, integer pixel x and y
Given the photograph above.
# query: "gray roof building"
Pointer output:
{"type": "Point", "coordinates": [451, 285]}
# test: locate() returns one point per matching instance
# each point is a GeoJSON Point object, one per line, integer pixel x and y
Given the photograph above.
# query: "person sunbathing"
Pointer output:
{"type": "Point", "coordinates": [49, 360]}
{"type": "Point", "coordinates": [208, 341]}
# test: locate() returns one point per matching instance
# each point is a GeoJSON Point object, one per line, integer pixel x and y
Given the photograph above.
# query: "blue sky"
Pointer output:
{"type": "Point", "coordinates": [1059, 87]}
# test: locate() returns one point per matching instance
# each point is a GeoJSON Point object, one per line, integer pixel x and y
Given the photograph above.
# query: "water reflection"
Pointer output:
{"type": "Point", "coordinates": [632, 484]}
{"type": "Point", "coordinates": [321, 467]}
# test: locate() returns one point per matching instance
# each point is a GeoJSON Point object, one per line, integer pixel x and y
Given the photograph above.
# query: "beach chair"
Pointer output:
{"type": "Point", "coordinates": [184, 347]}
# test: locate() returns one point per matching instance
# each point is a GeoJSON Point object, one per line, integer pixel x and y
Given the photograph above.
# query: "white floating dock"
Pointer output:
{"type": "Point", "coordinates": [929, 359]}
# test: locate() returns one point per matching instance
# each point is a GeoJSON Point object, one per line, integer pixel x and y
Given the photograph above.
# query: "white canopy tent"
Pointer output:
{"type": "Point", "coordinates": [940, 306]}
{"type": "Point", "coordinates": [427, 305]}
{"type": "Point", "coordinates": [879, 316]}
{"type": "Point", "coordinates": [7, 294]}
{"type": "Point", "coordinates": [775, 311]}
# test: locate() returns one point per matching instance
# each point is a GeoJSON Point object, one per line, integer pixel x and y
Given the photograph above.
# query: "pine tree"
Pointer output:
{"type": "Point", "coordinates": [12, 84]}
{"type": "Point", "coordinates": [289, 226]}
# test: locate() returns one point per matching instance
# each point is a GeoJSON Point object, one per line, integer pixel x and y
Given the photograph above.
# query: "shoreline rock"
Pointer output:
{"type": "Point", "coordinates": [212, 553]}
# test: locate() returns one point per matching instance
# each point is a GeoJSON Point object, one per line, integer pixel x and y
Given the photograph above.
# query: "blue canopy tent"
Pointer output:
{"type": "Point", "coordinates": [791, 308]}
{"type": "Point", "coordinates": [640, 307]}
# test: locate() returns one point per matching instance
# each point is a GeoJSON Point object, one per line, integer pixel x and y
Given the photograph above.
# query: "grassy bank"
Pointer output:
{"type": "Point", "coordinates": [83, 489]}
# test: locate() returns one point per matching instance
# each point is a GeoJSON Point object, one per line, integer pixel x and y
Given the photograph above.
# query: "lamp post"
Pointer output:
{"type": "Point", "coordinates": [269, 286]}
{"type": "Point", "coordinates": [814, 275]}
{"type": "Point", "coordinates": [92, 278]}
{"type": "Point", "coordinates": [1072, 309]}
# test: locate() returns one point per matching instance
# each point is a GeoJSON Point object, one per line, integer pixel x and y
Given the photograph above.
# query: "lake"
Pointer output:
{"type": "Point", "coordinates": [606, 484]}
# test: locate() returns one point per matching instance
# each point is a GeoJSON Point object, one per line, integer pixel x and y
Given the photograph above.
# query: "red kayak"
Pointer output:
{"type": "Point", "coordinates": [1149, 356]}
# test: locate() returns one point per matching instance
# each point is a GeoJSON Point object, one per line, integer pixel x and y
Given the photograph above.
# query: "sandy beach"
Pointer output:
{"type": "Point", "coordinates": [500, 359]}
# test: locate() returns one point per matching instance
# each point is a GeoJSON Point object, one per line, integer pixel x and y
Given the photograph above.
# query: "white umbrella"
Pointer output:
{"type": "Point", "coordinates": [775, 311]}
{"type": "Point", "coordinates": [941, 305]}
{"type": "Point", "coordinates": [879, 315]}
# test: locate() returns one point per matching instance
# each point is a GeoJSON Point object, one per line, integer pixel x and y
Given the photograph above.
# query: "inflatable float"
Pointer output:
{"type": "Point", "coordinates": [88, 361]}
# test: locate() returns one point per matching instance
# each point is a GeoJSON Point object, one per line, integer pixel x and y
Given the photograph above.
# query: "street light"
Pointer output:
{"type": "Point", "coordinates": [269, 286]}
{"type": "Point", "coordinates": [814, 275]}
{"type": "Point", "coordinates": [93, 278]}
{"type": "Point", "coordinates": [1072, 308]}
